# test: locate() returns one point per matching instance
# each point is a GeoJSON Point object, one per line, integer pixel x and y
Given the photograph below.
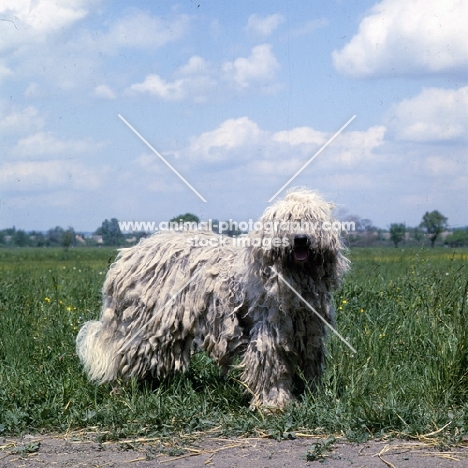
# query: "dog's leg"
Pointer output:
{"type": "Point", "coordinates": [315, 332]}
{"type": "Point", "coordinates": [268, 370]}
{"type": "Point", "coordinates": [314, 361]}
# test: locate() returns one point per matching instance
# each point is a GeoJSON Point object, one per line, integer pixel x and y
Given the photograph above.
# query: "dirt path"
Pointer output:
{"type": "Point", "coordinates": [73, 451]}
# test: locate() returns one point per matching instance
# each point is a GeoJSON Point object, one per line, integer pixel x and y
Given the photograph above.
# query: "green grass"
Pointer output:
{"type": "Point", "coordinates": [405, 311]}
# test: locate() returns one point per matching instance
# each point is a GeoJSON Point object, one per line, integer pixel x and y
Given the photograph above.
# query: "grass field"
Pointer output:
{"type": "Point", "coordinates": [405, 311]}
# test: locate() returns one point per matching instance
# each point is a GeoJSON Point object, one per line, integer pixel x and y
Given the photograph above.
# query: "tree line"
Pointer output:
{"type": "Point", "coordinates": [431, 227]}
{"type": "Point", "coordinates": [433, 224]}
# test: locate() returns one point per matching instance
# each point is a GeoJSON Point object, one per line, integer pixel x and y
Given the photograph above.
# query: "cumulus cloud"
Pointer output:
{"type": "Point", "coordinates": [4, 71]}
{"type": "Point", "coordinates": [197, 79]}
{"type": "Point", "coordinates": [47, 144]}
{"type": "Point", "coordinates": [264, 26]}
{"type": "Point", "coordinates": [47, 175]}
{"type": "Point", "coordinates": [216, 145]}
{"type": "Point", "coordinates": [259, 68]}
{"type": "Point", "coordinates": [142, 30]}
{"type": "Point", "coordinates": [348, 149]}
{"type": "Point", "coordinates": [158, 87]}
{"type": "Point", "coordinates": [195, 66]}
{"type": "Point", "coordinates": [104, 92]}
{"type": "Point", "coordinates": [352, 148]}
{"type": "Point", "coordinates": [241, 140]}
{"type": "Point", "coordinates": [21, 121]}
{"type": "Point", "coordinates": [36, 21]}
{"type": "Point", "coordinates": [191, 81]}
{"type": "Point", "coordinates": [408, 37]}
{"type": "Point", "coordinates": [301, 135]}
{"type": "Point", "coordinates": [45, 36]}
{"type": "Point", "coordinates": [435, 114]}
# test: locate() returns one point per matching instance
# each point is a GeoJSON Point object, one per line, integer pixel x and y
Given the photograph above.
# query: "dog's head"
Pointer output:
{"type": "Point", "coordinates": [299, 234]}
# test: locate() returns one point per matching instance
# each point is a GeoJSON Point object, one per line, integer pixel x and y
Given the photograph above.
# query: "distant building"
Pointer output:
{"type": "Point", "coordinates": [97, 239]}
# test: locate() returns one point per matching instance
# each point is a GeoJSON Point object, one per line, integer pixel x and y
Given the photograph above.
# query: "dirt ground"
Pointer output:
{"type": "Point", "coordinates": [303, 451]}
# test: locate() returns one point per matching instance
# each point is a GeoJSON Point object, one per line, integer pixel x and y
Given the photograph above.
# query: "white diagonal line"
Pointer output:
{"type": "Point", "coordinates": [162, 159]}
{"type": "Point", "coordinates": [313, 310]}
{"type": "Point", "coordinates": [125, 345]}
{"type": "Point", "coordinates": [312, 158]}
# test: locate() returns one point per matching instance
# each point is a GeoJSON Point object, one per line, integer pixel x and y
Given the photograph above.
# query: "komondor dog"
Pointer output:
{"type": "Point", "coordinates": [178, 292]}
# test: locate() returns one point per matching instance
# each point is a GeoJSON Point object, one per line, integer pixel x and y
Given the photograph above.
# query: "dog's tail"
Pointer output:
{"type": "Point", "coordinates": [97, 355]}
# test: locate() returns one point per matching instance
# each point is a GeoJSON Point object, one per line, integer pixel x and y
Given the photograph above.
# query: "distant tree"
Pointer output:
{"type": "Point", "coordinates": [416, 233]}
{"type": "Point", "coordinates": [37, 239]}
{"type": "Point", "coordinates": [368, 226]}
{"type": "Point", "coordinates": [397, 233]}
{"type": "Point", "coordinates": [67, 239]}
{"type": "Point", "coordinates": [54, 236]}
{"type": "Point", "coordinates": [433, 224]}
{"type": "Point", "coordinates": [111, 233]}
{"type": "Point", "coordinates": [20, 238]}
{"type": "Point", "coordinates": [181, 220]}
{"type": "Point", "coordinates": [185, 218]}
{"type": "Point", "coordinates": [458, 238]}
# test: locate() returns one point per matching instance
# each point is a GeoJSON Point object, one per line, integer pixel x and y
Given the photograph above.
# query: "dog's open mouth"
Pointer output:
{"type": "Point", "coordinates": [301, 247]}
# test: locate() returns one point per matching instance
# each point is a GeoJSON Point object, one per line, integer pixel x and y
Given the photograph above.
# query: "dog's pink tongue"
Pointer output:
{"type": "Point", "coordinates": [301, 254]}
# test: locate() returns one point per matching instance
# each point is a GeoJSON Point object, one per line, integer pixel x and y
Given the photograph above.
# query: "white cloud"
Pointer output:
{"type": "Point", "coordinates": [21, 121]}
{"type": "Point", "coordinates": [301, 135]}
{"type": "Point", "coordinates": [46, 144]}
{"type": "Point", "coordinates": [197, 79]}
{"type": "Point", "coordinates": [142, 30]}
{"type": "Point", "coordinates": [435, 114]}
{"type": "Point", "coordinates": [216, 145]}
{"type": "Point", "coordinates": [47, 175]}
{"type": "Point", "coordinates": [4, 71]}
{"type": "Point", "coordinates": [47, 44]}
{"type": "Point", "coordinates": [348, 149]}
{"type": "Point", "coordinates": [408, 37]}
{"type": "Point", "coordinates": [103, 91]}
{"type": "Point", "coordinates": [264, 26]}
{"type": "Point", "coordinates": [259, 68]}
{"type": "Point", "coordinates": [60, 64]}
{"type": "Point", "coordinates": [352, 148]}
{"type": "Point", "coordinates": [195, 66]}
{"type": "Point", "coordinates": [192, 81]}
{"type": "Point", "coordinates": [36, 21]}
{"type": "Point", "coordinates": [158, 87]}
{"type": "Point", "coordinates": [241, 140]}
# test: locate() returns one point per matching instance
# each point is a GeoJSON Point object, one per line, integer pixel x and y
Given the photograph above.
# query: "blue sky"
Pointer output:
{"type": "Point", "coordinates": [237, 96]}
